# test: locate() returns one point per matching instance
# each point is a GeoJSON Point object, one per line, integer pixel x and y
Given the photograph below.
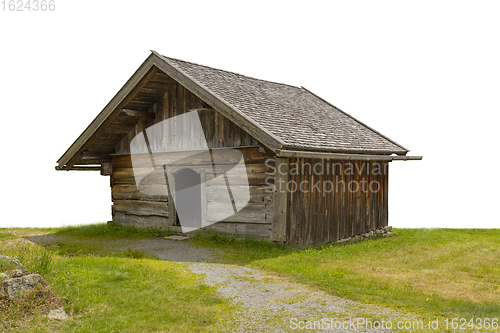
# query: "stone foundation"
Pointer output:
{"type": "Point", "coordinates": [384, 232]}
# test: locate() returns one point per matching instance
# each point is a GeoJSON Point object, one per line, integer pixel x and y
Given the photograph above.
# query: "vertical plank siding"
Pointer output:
{"type": "Point", "coordinates": [335, 204]}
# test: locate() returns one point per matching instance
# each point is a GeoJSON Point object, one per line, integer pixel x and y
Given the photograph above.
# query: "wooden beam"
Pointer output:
{"type": "Point", "coordinates": [96, 158]}
{"type": "Point", "coordinates": [203, 109]}
{"type": "Point", "coordinates": [106, 169]}
{"type": "Point", "coordinates": [280, 213]}
{"type": "Point", "coordinates": [82, 168]}
{"type": "Point", "coordinates": [108, 114]}
{"type": "Point", "coordinates": [175, 153]}
{"type": "Point", "coordinates": [139, 114]}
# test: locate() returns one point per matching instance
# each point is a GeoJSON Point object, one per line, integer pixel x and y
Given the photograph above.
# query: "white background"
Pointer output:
{"type": "Point", "coordinates": [424, 73]}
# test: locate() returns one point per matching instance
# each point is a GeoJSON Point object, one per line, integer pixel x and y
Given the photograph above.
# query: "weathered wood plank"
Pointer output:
{"type": "Point", "coordinates": [93, 157]}
{"type": "Point", "coordinates": [139, 114]}
{"type": "Point", "coordinates": [172, 211]}
{"type": "Point", "coordinates": [251, 155]}
{"type": "Point", "coordinates": [335, 210]}
{"type": "Point", "coordinates": [253, 230]}
{"type": "Point", "coordinates": [358, 204]}
{"type": "Point", "coordinates": [106, 168]}
{"type": "Point", "coordinates": [280, 200]}
{"type": "Point", "coordinates": [130, 192]}
{"type": "Point", "coordinates": [385, 205]}
{"type": "Point", "coordinates": [255, 175]}
{"type": "Point", "coordinates": [141, 208]}
{"type": "Point", "coordinates": [86, 168]}
{"type": "Point", "coordinates": [257, 193]}
{"type": "Point", "coordinates": [292, 203]}
{"type": "Point", "coordinates": [142, 221]}
{"type": "Point", "coordinates": [253, 212]}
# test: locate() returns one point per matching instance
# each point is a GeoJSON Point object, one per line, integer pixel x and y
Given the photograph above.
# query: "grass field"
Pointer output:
{"type": "Point", "coordinates": [440, 272]}
{"type": "Point", "coordinates": [430, 272]}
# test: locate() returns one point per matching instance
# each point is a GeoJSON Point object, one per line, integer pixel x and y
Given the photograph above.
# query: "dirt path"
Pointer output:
{"type": "Point", "coordinates": [268, 303]}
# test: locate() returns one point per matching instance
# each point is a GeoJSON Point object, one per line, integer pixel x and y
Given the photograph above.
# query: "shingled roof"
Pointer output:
{"type": "Point", "coordinates": [280, 116]}
{"type": "Point", "coordinates": [293, 115]}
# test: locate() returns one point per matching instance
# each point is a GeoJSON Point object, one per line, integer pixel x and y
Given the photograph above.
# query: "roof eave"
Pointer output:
{"type": "Point", "coordinates": [68, 159]}
{"type": "Point", "coordinates": [341, 156]}
{"type": "Point", "coordinates": [345, 151]}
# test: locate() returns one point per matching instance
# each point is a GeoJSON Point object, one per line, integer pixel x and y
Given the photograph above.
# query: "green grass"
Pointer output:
{"type": "Point", "coordinates": [5, 235]}
{"type": "Point", "coordinates": [133, 295]}
{"type": "Point", "coordinates": [7, 265]}
{"type": "Point", "coordinates": [443, 272]}
{"type": "Point", "coordinates": [105, 288]}
{"type": "Point", "coordinates": [243, 250]}
{"type": "Point", "coordinates": [112, 229]}
{"type": "Point", "coordinates": [35, 259]}
{"type": "Point", "coordinates": [106, 285]}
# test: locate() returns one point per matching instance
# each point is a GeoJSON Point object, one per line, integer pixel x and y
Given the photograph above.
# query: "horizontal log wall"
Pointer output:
{"type": "Point", "coordinates": [132, 206]}
{"type": "Point", "coordinates": [334, 204]}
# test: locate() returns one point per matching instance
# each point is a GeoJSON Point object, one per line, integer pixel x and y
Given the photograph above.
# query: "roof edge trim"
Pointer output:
{"type": "Point", "coordinates": [350, 157]}
{"type": "Point", "coordinates": [77, 145]}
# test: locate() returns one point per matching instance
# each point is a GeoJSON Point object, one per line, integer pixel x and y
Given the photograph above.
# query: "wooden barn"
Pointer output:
{"type": "Point", "coordinates": [312, 173]}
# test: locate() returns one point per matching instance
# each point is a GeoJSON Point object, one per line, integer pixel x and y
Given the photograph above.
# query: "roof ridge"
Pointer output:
{"type": "Point", "coordinates": [231, 72]}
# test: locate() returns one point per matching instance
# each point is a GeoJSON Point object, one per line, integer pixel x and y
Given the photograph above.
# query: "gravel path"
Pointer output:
{"type": "Point", "coordinates": [268, 303]}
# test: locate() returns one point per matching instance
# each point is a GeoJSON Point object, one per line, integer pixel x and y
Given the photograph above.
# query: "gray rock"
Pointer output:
{"type": "Point", "coordinates": [3, 276]}
{"type": "Point", "coordinates": [14, 260]}
{"type": "Point", "coordinates": [58, 314]}
{"type": "Point", "coordinates": [16, 286]}
{"type": "Point", "coordinates": [17, 273]}
{"type": "Point", "coordinates": [388, 228]}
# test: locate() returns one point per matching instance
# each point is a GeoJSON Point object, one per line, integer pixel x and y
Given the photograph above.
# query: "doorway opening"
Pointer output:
{"type": "Point", "coordinates": [188, 198]}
